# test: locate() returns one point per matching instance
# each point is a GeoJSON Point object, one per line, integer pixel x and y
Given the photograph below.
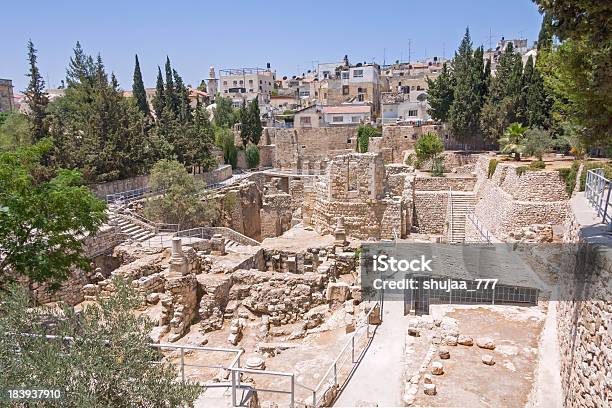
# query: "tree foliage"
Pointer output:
{"type": "Point", "coordinates": [180, 203]}
{"type": "Point", "coordinates": [108, 362]}
{"type": "Point", "coordinates": [252, 155]}
{"type": "Point", "coordinates": [537, 142]}
{"type": "Point", "coordinates": [224, 113]}
{"type": "Point", "coordinates": [578, 71]}
{"type": "Point", "coordinates": [138, 89]}
{"type": "Point", "coordinates": [513, 140]}
{"type": "Point", "coordinates": [43, 216]}
{"type": "Point", "coordinates": [36, 97]}
{"type": "Point", "coordinates": [428, 147]}
{"type": "Point", "coordinates": [364, 133]}
{"type": "Point", "coordinates": [468, 98]}
{"type": "Point", "coordinates": [440, 94]}
{"type": "Point", "coordinates": [15, 131]}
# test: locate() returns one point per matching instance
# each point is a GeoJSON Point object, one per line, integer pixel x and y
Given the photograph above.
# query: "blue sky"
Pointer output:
{"type": "Point", "coordinates": [292, 36]}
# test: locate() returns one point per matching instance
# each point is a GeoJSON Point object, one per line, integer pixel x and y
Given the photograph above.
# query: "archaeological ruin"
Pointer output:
{"type": "Point", "coordinates": [277, 280]}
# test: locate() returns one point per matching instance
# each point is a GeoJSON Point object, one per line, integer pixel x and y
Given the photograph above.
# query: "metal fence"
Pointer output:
{"type": "Point", "coordinates": [597, 192]}
{"type": "Point", "coordinates": [482, 230]}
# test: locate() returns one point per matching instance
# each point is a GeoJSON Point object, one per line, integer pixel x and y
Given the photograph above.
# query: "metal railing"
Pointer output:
{"type": "Point", "coordinates": [482, 230]}
{"type": "Point", "coordinates": [597, 192]}
{"type": "Point", "coordinates": [340, 370]}
{"type": "Point", "coordinates": [449, 214]}
{"type": "Point", "coordinates": [235, 362]}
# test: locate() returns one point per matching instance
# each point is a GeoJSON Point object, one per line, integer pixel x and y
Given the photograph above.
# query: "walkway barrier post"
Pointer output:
{"type": "Point", "coordinates": [353, 350]}
{"type": "Point", "coordinates": [183, 364]}
{"type": "Point", "coordinates": [292, 390]}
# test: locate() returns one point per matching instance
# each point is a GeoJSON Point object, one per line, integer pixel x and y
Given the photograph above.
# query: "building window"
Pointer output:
{"type": "Point", "coordinates": [345, 75]}
{"type": "Point", "coordinates": [358, 73]}
{"type": "Point", "coordinates": [304, 93]}
{"type": "Point", "coordinates": [418, 87]}
{"type": "Point", "coordinates": [413, 113]}
{"type": "Point", "coordinates": [224, 82]}
{"type": "Point", "coordinates": [355, 119]}
{"type": "Point", "coordinates": [338, 119]}
{"type": "Point", "coordinates": [305, 120]}
{"type": "Point", "coordinates": [345, 89]}
{"type": "Point", "coordinates": [250, 82]}
{"type": "Point", "coordinates": [325, 74]}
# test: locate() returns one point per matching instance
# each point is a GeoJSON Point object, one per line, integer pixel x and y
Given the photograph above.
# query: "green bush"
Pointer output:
{"type": "Point", "coordinates": [252, 156]}
{"type": "Point", "coordinates": [428, 147]}
{"type": "Point", "coordinates": [537, 165]}
{"type": "Point", "coordinates": [230, 154]}
{"type": "Point", "coordinates": [521, 170]}
{"type": "Point", "coordinates": [492, 166]}
{"type": "Point", "coordinates": [569, 175]}
{"type": "Point", "coordinates": [437, 167]}
{"type": "Point", "coordinates": [364, 133]}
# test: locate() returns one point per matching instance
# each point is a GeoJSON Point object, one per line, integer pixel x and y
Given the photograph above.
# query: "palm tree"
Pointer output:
{"type": "Point", "coordinates": [513, 140]}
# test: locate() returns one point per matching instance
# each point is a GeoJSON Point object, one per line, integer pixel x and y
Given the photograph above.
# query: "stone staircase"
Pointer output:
{"type": "Point", "coordinates": [461, 203]}
{"type": "Point", "coordinates": [135, 231]}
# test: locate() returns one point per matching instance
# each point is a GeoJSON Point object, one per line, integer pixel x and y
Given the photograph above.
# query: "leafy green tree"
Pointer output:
{"type": "Point", "coordinates": [513, 141]}
{"type": "Point", "coordinates": [180, 203]}
{"type": "Point", "coordinates": [537, 142]}
{"type": "Point", "coordinates": [108, 362]}
{"type": "Point", "coordinates": [43, 216]}
{"type": "Point", "coordinates": [464, 113]}
{"type": "Point", "coordinates": [15, 131]}
{"type": "Point", "coordinates": [138, 90]}
{"type": "Point", "coordinates": [159, 100]}
{"type": "Point", "coordinates": [97, 130]}
{"type": "Point", "coordinates": [252, 155]}
{"type": "Point", "coordinates": [36, 97]}
{"type": "Point", "coordinates": [536, 102]}
{"type": "Point", "coordinates": [503, 104]}
{"type": "Point", "coordinates": [428, 147]}
{"type": "Point", "coordinates": [224, 112]}
{"type": "Point", "coordinates": [171, 101]}
{"type": "Point", "coordinates": [578, 71]}
{"type": "Point", "coordinates": [440, 94]}
{"type": "Point", "coordinates": [81, 66]}
{"type": "Point", "coordinates": [182, 97]}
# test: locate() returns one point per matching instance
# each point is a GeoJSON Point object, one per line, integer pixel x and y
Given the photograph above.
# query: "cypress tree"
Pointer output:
{"type": "Point", "coordinates": [245, 124]}
{"type": "Point", "coordinates": [36, 97]}
{"type": "Point", "coordinates": [182, 97]}
{"type": "Point", "coordinates": [464, 114]}
{"type": "Point", "coordinates": [138, 89]}
{"type": "Point", "coordinates": [535, 101]}
{"type": "Point", "coordinates": [255, 126]}
{"type": "Point", "coordinates": [159, 101]}
{"type": "Point", "coordinates": [503, 104]}
{"type": "Point", "coordinates": [440, 94]}
{"type": "Point", "coordinates": [171, 100]}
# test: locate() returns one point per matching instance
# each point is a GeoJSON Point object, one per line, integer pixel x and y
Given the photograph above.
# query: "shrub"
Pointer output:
{"type": "Point", "coordinates": [364, 133]}
{"type": "Point", "coordinates": [428, 147]}
{"type": "Point", "coordinates": [492, 166]}
{"type": "Point", "coordinates": [537, 165]}
{"type": "Point", "coordinates": [569, 176]}
{"type": "Point", "coordinates": [230, 154]}
{"type": "Point", "coordinates": [537, 142]}
{"type": "Point", "coordinates": [437, 167]}
{"type": "Point", "coordinates": [521, 170]}
{"type": "Point", "coordinates": [252, 156]}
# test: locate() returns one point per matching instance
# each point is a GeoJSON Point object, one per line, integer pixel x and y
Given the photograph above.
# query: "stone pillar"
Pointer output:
{"type": "Point", "coordinates": [340, 233]}
{"type": "Point", "coordinates": [178, 264]}
{"type": "Point", "coordinates": [217, 245]}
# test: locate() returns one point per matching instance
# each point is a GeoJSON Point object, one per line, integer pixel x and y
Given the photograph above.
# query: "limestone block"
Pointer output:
{"type": "Point", "coordinates": [485, 343]}
{"type": "Point", "coordinates": [450, 340]}
{"type": "Point", "coordinates": [444, 354]}
{"type": "Point", "coordinates": [429, 389]}
{"type": "Point", "coordinates": [488, 359]}
{"type": "Point", "coordinates": [437, 368]}
{"type": "Point", "coordinates": [465, 340]}
{"type": "Point", "coordinates": [337, 291]}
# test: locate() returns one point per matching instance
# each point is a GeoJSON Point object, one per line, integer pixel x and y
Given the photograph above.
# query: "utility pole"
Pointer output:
{"type": "Point", "coordinates": [490, 39]}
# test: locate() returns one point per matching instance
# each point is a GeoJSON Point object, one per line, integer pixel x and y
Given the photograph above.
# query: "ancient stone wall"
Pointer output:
{"type": "Point", "coordinates": [424, 183]}
{"type": "Point", "coordinates": [239, 207]}
{"type": "Point", "coordinates": [584, 326]}
{"type": "Point", "coordinates": [275, 214]}
{"type": "Point", "coordinates": [430, 208]}
{"type": "Point", "coordinates": [507, 203]}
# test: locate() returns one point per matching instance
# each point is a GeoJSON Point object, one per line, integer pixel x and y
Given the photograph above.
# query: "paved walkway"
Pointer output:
{"type": "Point", "coordinates": [379, 376]}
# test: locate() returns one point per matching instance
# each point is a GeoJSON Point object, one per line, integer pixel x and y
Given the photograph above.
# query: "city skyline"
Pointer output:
{"type": "Point", "coordinates": [153, 33]}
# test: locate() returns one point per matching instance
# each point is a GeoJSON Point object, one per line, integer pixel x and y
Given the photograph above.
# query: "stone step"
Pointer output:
{"type": "Point", "coordinates": [147, 236]}
{"type": "Point", "coordinates": [130, 228]}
